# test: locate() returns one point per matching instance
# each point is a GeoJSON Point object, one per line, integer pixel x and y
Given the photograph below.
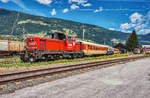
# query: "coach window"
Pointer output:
{"type": "Point", "coordinates": [91, 47]}
{"type": "Point", "coordinates": [53, 36]}
{"type": "Point", "coordinates": [86, 47]}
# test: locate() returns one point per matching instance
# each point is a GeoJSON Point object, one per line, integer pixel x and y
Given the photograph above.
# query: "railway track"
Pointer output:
{"type": "Point", "coordinates": [5, 56]}
{"type": "Point", "coordinates": [27, 75]}
{"type": "Point", "coordinates": [6, 62]}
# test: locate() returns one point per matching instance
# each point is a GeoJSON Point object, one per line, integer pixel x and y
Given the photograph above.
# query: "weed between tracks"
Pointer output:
{"type": "Point", "coordinates": [16, 62]}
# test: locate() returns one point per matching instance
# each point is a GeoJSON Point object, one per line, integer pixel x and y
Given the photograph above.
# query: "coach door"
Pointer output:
{"type": "Point", "coordinates": [42, 44]}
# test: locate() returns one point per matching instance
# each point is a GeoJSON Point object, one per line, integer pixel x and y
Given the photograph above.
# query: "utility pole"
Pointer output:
{"type": "Point", "coordinates": [83, 32]}
{"type": "Point", "coordinates": [104, 41]}
{"type": "Point", "coordinates": [111, 43]}
{"type": "Point", "coordinates": [23, 36]}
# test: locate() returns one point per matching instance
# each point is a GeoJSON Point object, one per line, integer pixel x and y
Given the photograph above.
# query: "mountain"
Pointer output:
{"type": "Point", "coordinates": [41, 26]}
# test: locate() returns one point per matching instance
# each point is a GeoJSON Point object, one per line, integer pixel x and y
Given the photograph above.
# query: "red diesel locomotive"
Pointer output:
{"type": "Point", "coordinates": [60, 45]}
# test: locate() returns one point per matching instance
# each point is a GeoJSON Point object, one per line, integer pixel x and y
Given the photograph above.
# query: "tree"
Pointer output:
{"type": "Point", "coordinates": [132, 41]}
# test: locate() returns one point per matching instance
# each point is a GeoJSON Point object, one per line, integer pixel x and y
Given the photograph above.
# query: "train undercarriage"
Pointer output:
{"type": "Point", "coordinates": [39, 55]}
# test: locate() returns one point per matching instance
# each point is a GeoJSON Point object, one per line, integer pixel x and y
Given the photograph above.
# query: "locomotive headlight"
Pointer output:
{"type": "Point", "coordinates": [31, 39]}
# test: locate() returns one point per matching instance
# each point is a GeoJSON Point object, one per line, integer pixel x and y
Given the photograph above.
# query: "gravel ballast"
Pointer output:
{"type": "Point", "coordinates": [130, 80]}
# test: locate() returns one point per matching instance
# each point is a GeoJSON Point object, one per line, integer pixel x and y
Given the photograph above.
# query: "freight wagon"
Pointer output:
{"type": "Point", "coordinates": [9, 48]}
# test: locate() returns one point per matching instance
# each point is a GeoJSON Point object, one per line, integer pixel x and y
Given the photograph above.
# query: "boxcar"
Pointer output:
{"type": "Point", "coordinates": [11, 47]}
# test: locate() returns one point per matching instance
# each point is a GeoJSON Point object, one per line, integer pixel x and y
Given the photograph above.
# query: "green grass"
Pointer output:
{"type": "Point", "coordinates": [18, 62]}
{"type": "Point", "coordinates": [10, 59]}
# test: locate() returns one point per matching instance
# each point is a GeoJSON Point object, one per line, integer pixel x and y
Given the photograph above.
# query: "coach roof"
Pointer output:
{"type": "Point", "coordinates": [89, 43]}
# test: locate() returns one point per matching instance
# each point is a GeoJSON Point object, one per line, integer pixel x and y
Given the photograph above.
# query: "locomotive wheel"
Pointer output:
{"type": "Point", "coordinates": [72, 56]}
{"type": "Point", "coordinates": [23, 59]}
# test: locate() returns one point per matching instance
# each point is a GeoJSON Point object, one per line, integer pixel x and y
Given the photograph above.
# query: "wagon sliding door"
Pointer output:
{"type": "Point", "coordinates": [42, 44]}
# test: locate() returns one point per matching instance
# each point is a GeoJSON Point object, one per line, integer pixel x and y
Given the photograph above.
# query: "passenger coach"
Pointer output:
{"type": "Point", "coordinates": [93, 49]}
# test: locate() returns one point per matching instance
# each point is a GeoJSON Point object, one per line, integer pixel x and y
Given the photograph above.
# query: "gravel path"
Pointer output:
{"type": "Point", "coordinates": [128, 80]}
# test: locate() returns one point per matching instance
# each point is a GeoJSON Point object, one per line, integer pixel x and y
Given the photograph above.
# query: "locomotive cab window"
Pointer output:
{"type": "Point", "coordinates": [70, 39]}
{"type": "Point", "coordinates": [59, 36]}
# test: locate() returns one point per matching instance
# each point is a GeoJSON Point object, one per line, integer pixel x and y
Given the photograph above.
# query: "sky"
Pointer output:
{"type": "Point", "coordinates": [120, 15]}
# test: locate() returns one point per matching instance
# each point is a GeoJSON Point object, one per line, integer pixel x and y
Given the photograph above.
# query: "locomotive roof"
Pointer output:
{"type": "Point", "coordinates": [72, 35]}
{"type": "Point", "coordinates": [89, 43]}
{"type": "Point", "coordinates": [37, 37]}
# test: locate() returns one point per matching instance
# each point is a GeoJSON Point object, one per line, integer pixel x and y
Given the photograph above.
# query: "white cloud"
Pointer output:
{"type": "Point", "coordinates": [45, 2]}
{"type": "Point", "coordinates": [73, 6]}
{"type": "Point", "coordinates": [65, 10]}
{"type": "Point", "coordinates": [78, 1]}
{"type": "Point", "coordinates": [4, 1]}
{"type": "Point", "coordinates": [96, 11]}
{"type": "Point", "coordinates": [125, 9]}
{"type": "Point", "coordinates": [85, 9]}
{"type": "Point", "coordinates": [125, 26]}
{"type": "Point", "coordinates": [136, 17]}
{"type": "Point", "coordinates": [140, 1]}
{"type": "Point", "coordinates": [87, 4]}
{"type": "Point", "coordinates": [144, 31]}
{"type": "Point", "coordinates": [112, 29]}
{"type": "Point", "coordinates": [53, 12]}
{"type": "Point", "coordinates": [20, 4]}
{"type": "Point", "coordinates": [138, 22]}
{"type": "Point", "coordinates": [99, 10]}
{"type": "Point", "coordinates": [126, 31]}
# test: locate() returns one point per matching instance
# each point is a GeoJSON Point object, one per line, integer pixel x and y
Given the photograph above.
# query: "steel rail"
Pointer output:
{"type": "Point", "coordinates": [44, 69]}
{"type": "Point", "coordinates": [50, 71]}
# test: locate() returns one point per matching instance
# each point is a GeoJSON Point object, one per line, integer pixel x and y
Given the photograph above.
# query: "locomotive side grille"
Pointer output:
{"type": "Point", "coordinates": [42, 44]}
